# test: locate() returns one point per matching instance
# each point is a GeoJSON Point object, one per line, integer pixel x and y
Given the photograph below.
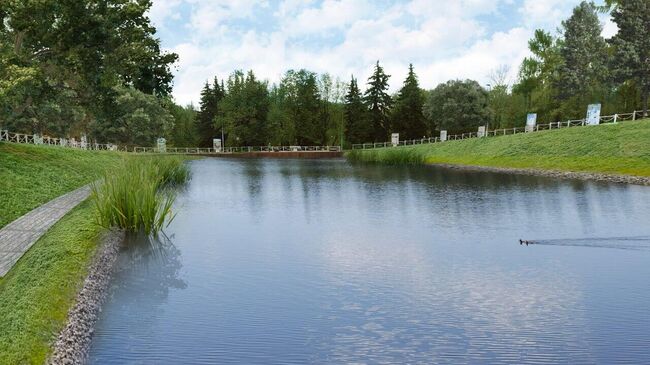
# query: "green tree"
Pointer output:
{"type": "Point", "coordinates": [184, 132]}
{"type": "Point", "coordinates": [632, 45]}
{"type": "Point", "coordinates": [408, 118]}
{"type": "Point", "coordinates": [379, 103]}
{"type": "Point", "coordinates": [358, 125]}
{"type": "Point", "coordinates": [136, 119]}
{"type": "Point", "coordinates": [458, 106]}
{"type": "Point", "coordinates": [209, 107]}
{"type": "Point", "coordinates": [583, 68]}
{"type": "Point", "coordinates": [538, 74]}
{"type": "Point", "coordinates": [280, 124]}
{"type": "Point", "coordinates": [66, 59]}
{"type": "Point", "coordinates": [303, 106]}
{"type": "Point", "coordinates": [244, 110]}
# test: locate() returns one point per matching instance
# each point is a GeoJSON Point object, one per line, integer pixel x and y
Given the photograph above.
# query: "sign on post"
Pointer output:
{"type": "Point", "coordinates": [162, 145]}
{"type": "Point", "coordinates": [63, 142]}
{"type": "Point", "coordinates": [216, 144]}
{"type": "Point", "coordinates": [38, 139]}
{"type": "Point", "coordinates": [443, 136]}
{"type": "Point", "coordinates": [481, 131]}
{"type": "Point", "coordinates": [593, 114]}
{"type": "Point", "coordinates": [531, 122]}
{"type": "Point", "coordinates": [394, 139]}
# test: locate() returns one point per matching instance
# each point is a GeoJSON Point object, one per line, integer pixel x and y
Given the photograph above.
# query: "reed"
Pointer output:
{"type": "Point", "coordinates": [137, 197]}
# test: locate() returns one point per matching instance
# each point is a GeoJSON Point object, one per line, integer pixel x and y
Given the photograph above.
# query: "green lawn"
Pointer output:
{"type": "Point", "coordinates": [32, 175]}
{"type": "Point", "coordinates": [36, 294]}
{"type": "Point", "coordinates": [622, 148]}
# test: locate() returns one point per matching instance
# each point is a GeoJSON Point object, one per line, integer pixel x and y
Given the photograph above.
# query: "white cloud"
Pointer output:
{"type": "Point", "coordinates": [609, 28]}
{"type": "Point", "coordinates": [444, 40]}
{"type": "Point", "coordinates": [163, 9]}
{"type": "Point", "coordinates": [330, 14]}
{"type": "Point", "coordinates": [543, 13]}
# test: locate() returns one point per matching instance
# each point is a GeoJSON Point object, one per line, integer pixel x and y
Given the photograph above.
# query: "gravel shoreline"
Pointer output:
{"type": "Point", "coordinates": [73, 342]}
{"type": "Point", "coordinates": [619, 179]}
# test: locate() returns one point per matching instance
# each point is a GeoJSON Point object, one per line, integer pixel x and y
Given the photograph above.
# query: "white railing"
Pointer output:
{"type": "Point", "coordinates": [6, 136]}
{"type": "Point", "coordinates": [505, 131]}
{"type": "Point", "coordinates": [231, 150]}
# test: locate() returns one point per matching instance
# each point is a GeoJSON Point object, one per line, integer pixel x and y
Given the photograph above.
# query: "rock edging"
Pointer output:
{"type": "Point", "coordinates": [73, 342]}
{"type": "Point", "coordinates": [620, 179]}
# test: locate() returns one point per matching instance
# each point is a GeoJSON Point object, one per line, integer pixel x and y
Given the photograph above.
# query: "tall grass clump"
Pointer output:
{"type": "Point", "coordinates": [389, 156]}
{"type": "Point", "coordinates": [137, 196]}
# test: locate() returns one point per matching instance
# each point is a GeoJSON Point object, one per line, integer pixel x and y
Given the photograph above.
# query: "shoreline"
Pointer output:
{"type": "Point", "coordinates": [73, 342]}
{"type": "Point", "coordinates": [594, 176]}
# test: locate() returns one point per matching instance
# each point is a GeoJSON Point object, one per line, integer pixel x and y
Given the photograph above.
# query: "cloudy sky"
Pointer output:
{"type": "Point", "coordinates": [443, 39]}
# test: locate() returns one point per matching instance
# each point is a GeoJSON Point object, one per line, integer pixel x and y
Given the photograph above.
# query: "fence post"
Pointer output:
{"type": "Point", "coordinates": [615, 118]}
{"type": "Point", "coordinates": [634, 115]}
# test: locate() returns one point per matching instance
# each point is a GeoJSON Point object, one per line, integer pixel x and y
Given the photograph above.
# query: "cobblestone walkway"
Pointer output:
{"type": "Point", "coordinates": [18, 236]}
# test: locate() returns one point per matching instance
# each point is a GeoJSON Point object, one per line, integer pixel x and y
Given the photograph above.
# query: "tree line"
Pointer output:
{"type": "Point", "coordinates": [97, 68]}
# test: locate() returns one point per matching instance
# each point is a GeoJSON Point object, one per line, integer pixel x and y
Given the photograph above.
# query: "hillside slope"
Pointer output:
{"type": "Point", "coordinates": [619, 149]}
{"type": "Point", "coordinates": [32, 175]}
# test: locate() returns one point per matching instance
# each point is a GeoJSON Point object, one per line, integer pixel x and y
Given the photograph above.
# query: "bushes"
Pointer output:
{"type": "Point", "coordinates": [138, 196]}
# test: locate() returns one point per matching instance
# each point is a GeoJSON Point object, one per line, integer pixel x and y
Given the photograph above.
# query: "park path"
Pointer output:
{"type": "Point", "coordinates": [18, 236]}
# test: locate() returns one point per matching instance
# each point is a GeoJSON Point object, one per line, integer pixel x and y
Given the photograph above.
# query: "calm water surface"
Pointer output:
{"type": "Point", "coordinates": [277, 262]}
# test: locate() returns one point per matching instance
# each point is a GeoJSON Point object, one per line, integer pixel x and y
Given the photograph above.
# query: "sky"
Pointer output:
{"type": "Point", "coordinates": [444, 39]}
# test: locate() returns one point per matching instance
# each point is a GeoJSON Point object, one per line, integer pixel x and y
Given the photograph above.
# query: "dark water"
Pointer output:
{"type": "Point", "coordinates": [277, 262]}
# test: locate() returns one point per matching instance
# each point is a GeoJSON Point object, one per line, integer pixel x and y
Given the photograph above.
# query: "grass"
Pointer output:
{"type": "Point", "coordinates": [36, 294]}
{"type": "Point", "coordinates": [38, 291]}
{"type": "Point", "coordinates": [621, 149]}
{"type": "Point", "coordinates": [136, 197]}
{"type": "Point", "coordinates": [32, 175]}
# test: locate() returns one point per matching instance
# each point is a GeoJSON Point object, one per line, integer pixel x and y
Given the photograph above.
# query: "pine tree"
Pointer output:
{"type": "Point", "coordinates": [378, 102]}
{"type": "Point", "coordinates": [632, 44]}
{"type": "Point", "coordinates": [584, 53]}
{"type": "Point", "coordinates": [211, 96]}
{"type": "Point", "coordinates": [358, 127]}
{"type": "Point", "coordinates": [408, 118]}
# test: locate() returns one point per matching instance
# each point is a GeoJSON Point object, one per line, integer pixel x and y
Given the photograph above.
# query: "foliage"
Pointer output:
{"type": "Point", "coordinates": [136, 118]}
{"type": "Point", "coordinates": [62, 60]}
{"type": "Point", "coordinates": [584, 54]}
{"type": "Point", "coordinates": [134, 198]}
{"type": "Point", "coordinates": [458, 106]}
{"type": "Point", "coordinates": [33, 175]}
{"type": "Point", "coordinates": [632, 44]}
{"type": "Point", "coordinates": [407, 116]}
{"type": "Point", "coordinates": [184, 133]}
{"type": "Point", "coordinates": [358, 124]}
{"type": "Point", "coordinates": [611, 148]}
{"type": "Point", "coordinates": [243, 111]}
{"type": "Point", "coordinates": [210, 105]}
{"type": "Point", "coordinates": [379, 103]}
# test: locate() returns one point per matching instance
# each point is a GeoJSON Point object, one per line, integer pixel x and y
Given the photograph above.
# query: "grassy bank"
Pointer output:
{"type": "Point", "coordinates": [32, 175]}
{"type": "Point", "coordinates": [36, 294]}
{"type": "Point", "coordinates": [38, 291]}
{"type": "Point", "coordinates": [612, 149]}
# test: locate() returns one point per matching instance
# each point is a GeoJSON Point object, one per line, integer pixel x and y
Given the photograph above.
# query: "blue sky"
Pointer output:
{"type": "Point", "coordinates": [443, 39]}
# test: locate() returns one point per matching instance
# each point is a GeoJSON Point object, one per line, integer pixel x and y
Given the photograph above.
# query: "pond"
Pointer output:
{"type": "Point", "coordinates": [305, 261]}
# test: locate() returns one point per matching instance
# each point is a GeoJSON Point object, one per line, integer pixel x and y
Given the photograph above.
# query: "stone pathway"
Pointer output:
{"type": "Point", "coordinates": [18, 236]}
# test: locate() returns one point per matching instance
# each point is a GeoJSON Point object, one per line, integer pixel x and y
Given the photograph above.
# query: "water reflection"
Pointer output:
{"type": "Point", "coordinates": [321, 262]}
{"type": "Point", "coordinates": [147, 270]}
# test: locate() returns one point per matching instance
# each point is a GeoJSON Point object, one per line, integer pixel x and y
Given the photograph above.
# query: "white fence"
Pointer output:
{"type": "Point", "coordinates": [7, 136]}
{"type": "Point", "coordinates": [505, 131]}
{"type": "Point", "coordinates": [229, 150]}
